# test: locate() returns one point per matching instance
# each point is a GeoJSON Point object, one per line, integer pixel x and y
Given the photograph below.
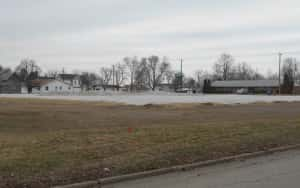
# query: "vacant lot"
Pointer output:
{"type": "Point", "coordinates": [45, 142]}
{"type": "Point", "coordinates": [162, 98]}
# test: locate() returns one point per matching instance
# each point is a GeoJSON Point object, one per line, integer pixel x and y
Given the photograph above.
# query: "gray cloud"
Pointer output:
{"type": "Point", "coordinates": [90, 33]}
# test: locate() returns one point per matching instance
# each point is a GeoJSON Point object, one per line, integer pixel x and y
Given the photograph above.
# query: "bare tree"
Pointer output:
{"type": "Point", "coordinates": [223, 67]}
{"type": "Point", "coordinates": [290, 68]}
{"type": "Point", "coordinates": [156, 71]}
{"type": "Point", "coordinates": [87, 80]}
{"type": "Point", "coordinates": [200, 76]}
{"type": "Point", "coordinates": [120, 75]}
{"type": "Point", "coordinates": [28, 70]}
{"type": "Point", "coordinates": [132, 64]}
{"type": "Point", "coordinates": [190, 83]}
{"type": "Point", "coordinates": [52, 73]}
{"type": "Point", "coordinates": [244, 71]}
{"type": "Point", "coordinates": [297, 73]}
{"type": "Point", "coordinates": [271, 75]}
{"type": "Point", "coordinates": [169, 76]}
{"type": "Point", "coordinates": [106, 76]}
{"type": "Point", "coordinates": [141, 78]}
{"type": "Point", "coordinates": [258, 76]}
{"type": "Point", "coordinates": [29, 65]}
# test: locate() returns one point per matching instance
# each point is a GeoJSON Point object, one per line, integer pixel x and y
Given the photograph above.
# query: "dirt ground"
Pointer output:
{"type": "Point", "coordinates": [47, 142]}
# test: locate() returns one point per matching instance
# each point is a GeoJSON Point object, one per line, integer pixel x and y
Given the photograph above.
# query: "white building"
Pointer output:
{"type": "Point", "coordinates": [51, 86]}
{"type": "Point", "coordinates": [71, 79]}
{"type": "Point", "coordinates": [63, 83]}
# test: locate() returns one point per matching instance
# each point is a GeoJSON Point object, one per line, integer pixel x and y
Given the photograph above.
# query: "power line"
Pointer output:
{"type": "Point", "coordinates": [271, 54]}
{"type": "Point", "coordinates": [291, 52]}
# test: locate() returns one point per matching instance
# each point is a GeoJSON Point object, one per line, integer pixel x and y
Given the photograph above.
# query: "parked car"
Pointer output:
{"type": "Point", "coordinates": [186, 90]}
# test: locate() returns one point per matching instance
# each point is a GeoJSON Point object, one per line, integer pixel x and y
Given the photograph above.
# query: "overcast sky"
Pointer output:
{"type": "Point", "coordinates": [88, 34]}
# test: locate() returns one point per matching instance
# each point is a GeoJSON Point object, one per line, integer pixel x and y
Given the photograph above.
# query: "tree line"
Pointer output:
{"type": "Point", "coordinates": [150, 72]}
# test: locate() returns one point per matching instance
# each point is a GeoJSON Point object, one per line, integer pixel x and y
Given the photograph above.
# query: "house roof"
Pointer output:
{"type": "Point", "coordinates": [246, 83]}
{"type": "Point", "coordinates": [40, 82]}
{"type": "Point", "coordinates": [5, 75]}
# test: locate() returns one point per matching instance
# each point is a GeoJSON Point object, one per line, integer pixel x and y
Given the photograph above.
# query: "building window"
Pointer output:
{"type": "Point", "coordinates": [60, 87]}
{"type": "Point", "coordinates": [69, 88]}
{"type": "Point", "coordinates": [47, 88]}
{"type": "Point", "coordinates": [55, 88]}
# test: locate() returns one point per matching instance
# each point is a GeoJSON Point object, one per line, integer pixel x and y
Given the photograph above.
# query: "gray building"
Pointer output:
{"type": "Point", "coordinates": [246, 86]}
{"type": "Point", "coordinates": [10, 83]}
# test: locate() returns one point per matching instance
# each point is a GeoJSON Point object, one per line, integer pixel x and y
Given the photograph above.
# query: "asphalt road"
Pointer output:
{"type": "Point", "coordinates": [274, 171]}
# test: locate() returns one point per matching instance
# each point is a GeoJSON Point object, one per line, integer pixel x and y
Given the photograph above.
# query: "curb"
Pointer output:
{"type": "Point", "coordinates": [117, 179]}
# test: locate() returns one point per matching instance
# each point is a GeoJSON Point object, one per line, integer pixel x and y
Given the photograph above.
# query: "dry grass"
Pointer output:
{"type": "Point", "coordinates": [44, 142]}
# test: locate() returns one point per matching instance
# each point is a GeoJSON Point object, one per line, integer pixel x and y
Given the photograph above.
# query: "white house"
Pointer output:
{"type": "Point", "coordinates": [72, 80]}
{"type": "Point", "coordinates": [51, 86]}
{"type": "Point", "coordinates": [56, 86]}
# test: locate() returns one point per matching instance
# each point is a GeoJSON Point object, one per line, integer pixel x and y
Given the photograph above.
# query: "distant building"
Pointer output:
{"type": "Point", "coordinates": [96, 85]}
{"type": "Point", "coordinates": [296, 89]}
{"type": "Point", "coordinates": [71, 79]}
{"type": "Point", "coordinates": [245, 86]}
{"type": "Point", "coordinates": [63, 83]}
{"type": "Point", "coordinates": [166, 87]}
{"type": "Point", "coordinates": [10, 83]}
{"type": "Point", "coordinates": [44, 86]}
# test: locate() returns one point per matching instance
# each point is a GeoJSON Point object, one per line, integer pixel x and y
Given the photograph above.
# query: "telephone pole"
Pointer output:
{"type": "Point", "coordinates": [279, 72]}
{"type": "Point", "coordinates": [113, 75]}
{"type": "Point", "coordinates": [181, 73]}
{"type": "Point", "coordinates": [295, 68]}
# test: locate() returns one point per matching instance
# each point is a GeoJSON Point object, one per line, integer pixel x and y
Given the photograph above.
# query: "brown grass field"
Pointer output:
{"type": "Point", "coordinates": [45, 143]}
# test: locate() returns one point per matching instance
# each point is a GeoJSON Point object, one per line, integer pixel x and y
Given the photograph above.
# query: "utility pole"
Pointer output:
{"type": "Point", "coordinates": [295, 68]}
{"type": "Point", "coordinates": [113, 84]}
{"type": "Point", "coordinates": [279, 72]}
{"type": "Point", "coordinates": [181, 73]}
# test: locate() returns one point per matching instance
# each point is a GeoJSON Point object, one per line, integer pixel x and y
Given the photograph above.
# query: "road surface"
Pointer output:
{"type": "Point", "coordinates": [281, 170]}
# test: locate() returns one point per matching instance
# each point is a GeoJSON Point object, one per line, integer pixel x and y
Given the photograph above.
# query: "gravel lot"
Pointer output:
{"type": "Point", "coordinates": [163, 98]}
